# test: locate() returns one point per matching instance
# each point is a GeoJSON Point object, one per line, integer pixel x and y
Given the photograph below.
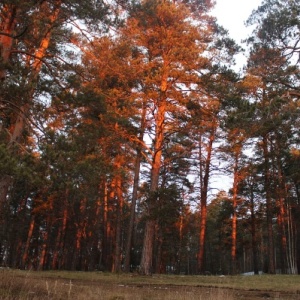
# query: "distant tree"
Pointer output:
{"type": "Point", "coordinates": [219, 234]}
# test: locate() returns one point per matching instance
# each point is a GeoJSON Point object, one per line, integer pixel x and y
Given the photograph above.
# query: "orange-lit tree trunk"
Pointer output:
{"type": "Point", "coordinates": [281, 221]}
{"type": "Point", "coordinates": [80, 234]}
{"type": "Point", "coordinates": [204, 181]}
{"type": "Point", "coordinates": [43, 251]}
{"type": "Point", "coordinates": [137, 167]}
{"type": "Point", "coordinates": [281, 208]}
{"type": "Point", "coordinates": [161, 105]}
{"type": "Point", "coordinates": [168, 64]}
{"type": "Point", "coordinates": [19, 117]}
{"type": "Point", "coordinates": [129, 241]}
{"type": "Point", "coordinates": [147, 253]}
{"type": "Point", "coordinates": [237, 139]}
{"type": "Point", "coordinates": [234, 213]}
{"type": "Point", "coordinates": [253, 230]}
{"type": "Point", "coordinates": [96, 239]}
{"type": "Point", "coordinates": [292, 241]}
{"type": "Point", "coordinates": [107, 231]}
{"type": "Point", "coordinates": [269, 207]}
{"type": "Point", "coordinates": [7, 24]}
{"type": "Point", "coordinates": [35, 66]}
{"type": "Point", "coordinates": [158, 262]}
{"type": "Point", "coordinates": [46, 234]}
{"type": "Point", "coordinates": [180, 228]}
{"type": "Point", "coordinates": [59, 243]}
{"type": "Point", "coordinates": [119, 215]}
{"type": "Point", "coordinates": [28, 240]}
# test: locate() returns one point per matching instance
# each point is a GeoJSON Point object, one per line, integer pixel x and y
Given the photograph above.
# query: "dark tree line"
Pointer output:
{"type": "Point", "coordinates": [116, 121]}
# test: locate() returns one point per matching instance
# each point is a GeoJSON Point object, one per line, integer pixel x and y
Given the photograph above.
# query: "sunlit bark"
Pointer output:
{"type": "Point", "coordinates": [119, 212]}
{"type": "Point", "coordinates": [269, 207]}
{"type": "Point", "coordinates": [80, 235]}
{"type": "Point", "coordinates": [234, 214]}
{"type": "Point", "coordinates": [147, 253]}
{"type": "Point", "coordinates": [8, 23]}
{"type": "Point", "coordinates": [137, 167]}
{"type": "Point", "coordinates": [28, 241]}
{"type": "Point", "coordinates": [204, 182]}
{"type": "Point", "coordinates": [20, 116]}
{"type": "Point", "coordinates": [253, 231]}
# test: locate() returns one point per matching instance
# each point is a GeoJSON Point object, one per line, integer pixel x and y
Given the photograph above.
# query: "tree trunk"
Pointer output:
{"type": "Point", "coordinates": [43, 252]}
{"type": "Point", "coordinates": [80, 234]}
{"type": "Point", "coordinates": [134, 192]}
{"type": "Point", "coordinates": [180, 252]}
{"type": "Point", "coordinates": [132, 212]}
{"type": "Point", "coordinates": [96, 239]}
{"type": "Point", "coordinates": [27, 245]}
{"type": "Point", "coordinates": [158, 254]}
{"type": "Point", "coordinates": [204, 181]}
{"type": "Point", "coordinates": [5, 182]}
{"type": "Point", "coordinates": [46, 235]}
{"type": "Point", "coordinates": [269, 208]}
{"type": "Point", "coordinates": [120, 201]}
{"type": "Point", "coordinates": [292, 251]}
{"type": "Point", "coordinates": [281, 221]}
{"type": "Point", "coordinates": [253, 232]}
{"type": "Point", "coordinates": [59, 244]}
{"type": "Point", "coordinates": [107, 230]}
{"type": "Point", "coordinates": [236, 178]}
{"type": "Point", "coordinates": [19, 120]}
{"type": "Point", "coordinates": [281, 210]}
{"type": "Point", "coordinates": [147, 253]}
{"type": "Point", "coordinates": [7, 25]}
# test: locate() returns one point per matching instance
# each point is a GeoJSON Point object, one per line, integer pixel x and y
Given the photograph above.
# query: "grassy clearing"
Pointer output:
{"type": "Point", "coordinates": [16, 284]}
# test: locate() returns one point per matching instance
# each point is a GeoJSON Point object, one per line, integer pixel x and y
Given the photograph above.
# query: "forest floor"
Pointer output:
{"type": "Point", "coordinates": [16, 284]}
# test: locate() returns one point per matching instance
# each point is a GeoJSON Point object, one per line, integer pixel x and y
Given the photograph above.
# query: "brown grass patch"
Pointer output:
{"type": "Point", "coordinates": [16, 284]}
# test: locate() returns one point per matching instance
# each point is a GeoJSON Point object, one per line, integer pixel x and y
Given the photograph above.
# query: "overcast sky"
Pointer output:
{"type": "Point", "coordinates": [232, 14]}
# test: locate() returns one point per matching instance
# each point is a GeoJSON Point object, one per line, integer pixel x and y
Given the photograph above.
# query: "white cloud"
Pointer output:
{"type": "Point", "coordinates": [232, 14]}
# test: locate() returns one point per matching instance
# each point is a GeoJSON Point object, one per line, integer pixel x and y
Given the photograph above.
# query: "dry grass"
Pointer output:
{"type": "Point", "coordinates": [16, 284]}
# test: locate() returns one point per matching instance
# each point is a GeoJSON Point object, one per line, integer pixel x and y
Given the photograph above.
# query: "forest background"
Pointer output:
{"type": "Point", "coordinates": [117, 117]}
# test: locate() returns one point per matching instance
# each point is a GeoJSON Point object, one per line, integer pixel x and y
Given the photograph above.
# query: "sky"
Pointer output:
{"type": "Point", "coordinates": [232, 14]}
